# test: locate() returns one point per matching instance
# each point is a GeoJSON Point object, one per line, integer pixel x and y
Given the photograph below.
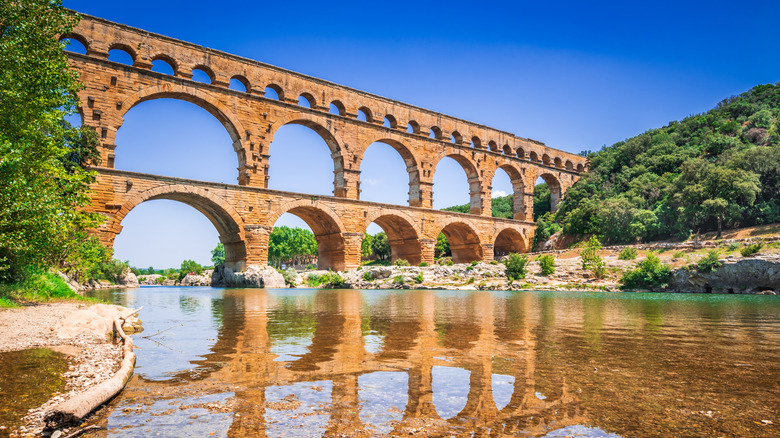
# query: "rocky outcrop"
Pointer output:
{"type": "Point", "coordinates": [128, 279]}
{"type": "Point", "coordinates": [739, 276]}
{"type": "Point", "coordinates": [254, 276]}
{"type": "Point", "coordinates": [196, 280]}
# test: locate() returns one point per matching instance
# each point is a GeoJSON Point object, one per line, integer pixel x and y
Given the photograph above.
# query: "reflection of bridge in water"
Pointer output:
{"type": "Point", "coordinates": [478, 337]}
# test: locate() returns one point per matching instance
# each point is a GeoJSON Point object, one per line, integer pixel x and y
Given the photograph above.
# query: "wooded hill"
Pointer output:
{"type": "Point", "coordinates": [720, 169]}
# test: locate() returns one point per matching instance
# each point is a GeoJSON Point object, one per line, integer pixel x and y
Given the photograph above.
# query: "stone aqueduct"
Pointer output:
{"type": "Point", "coordinates": [244, 214]}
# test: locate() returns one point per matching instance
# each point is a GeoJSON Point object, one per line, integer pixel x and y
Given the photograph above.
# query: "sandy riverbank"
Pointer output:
{"type": "Point", "coordinates": [76, 329]}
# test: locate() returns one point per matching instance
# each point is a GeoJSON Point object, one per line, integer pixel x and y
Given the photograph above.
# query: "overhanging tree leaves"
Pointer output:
{"type": "Point", "coordinates": [43, 181]}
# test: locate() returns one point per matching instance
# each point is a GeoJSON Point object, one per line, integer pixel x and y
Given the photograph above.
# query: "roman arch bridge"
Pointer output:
{"type": "Point", "coordinates": [348, 120]}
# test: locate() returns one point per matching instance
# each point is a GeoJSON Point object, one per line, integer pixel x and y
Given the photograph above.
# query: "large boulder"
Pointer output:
{"type": "Point", "coordinates": [254, 276]}
{"type": "Point", "coordinates": [128, 279]}
{"type": "Point", "coordinates": [743, 276]}
{"type": "Point", "coordinates": [193, 279]}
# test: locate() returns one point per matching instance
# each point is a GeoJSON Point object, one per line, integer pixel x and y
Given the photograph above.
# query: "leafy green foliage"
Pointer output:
{"type": "Point", "coordinates": [419, 278]}
{"type": "Point", "coordinates": [189, 267]}
{"type": "Point", "coordinates": [649, 273]}
{"type": "Point", "coordinates": [294, 245]}
{"type": "Point", "coordinates": [398, 279]}
{"type": "Point", "coordinates": [547, 264]}
{"type": "Point", "coordinates": [365, 245]}
{"type": "Point", "coordinates": [402, 262]}
{"type": "Point", "coordinates": [545, 227]}
{"type": "Point", "coordinates": [380, 246]}
{"type": "Point", "coordinates": [43, 179]}
{"type": "Point", "coordinates": [627, 253]}
{"type": "Point", "coordinates": [442, 247]}
{"type": "Point", "coordinates": [751, 249]}
{"type": "Point", "coordinates": [542, 203]}
{"type": "Point", "coordinates": [328, 280]}
{"type": "Point", "coordinates": [516, 266]}
{"type": "Point", "coordinates": [707, 172]}
{"type": "Point", "coordinates": [367, 276]}
{"type": "Point", "coordinates": [218, 254]}
{"type": "Point", "coordinates": [110, 270]}
{"type": "Point", "coordinates": [710, 262]}
{"type": "Point", "coordinates": [591, 260]}
{"type": "Point", "coordinates": [422, 264]}
{"type": "Point", "coordinates": [36, 287]}
{"type": "Point", "coordinates": [289, 276]}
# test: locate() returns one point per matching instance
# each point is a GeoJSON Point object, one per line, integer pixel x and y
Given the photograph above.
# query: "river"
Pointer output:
{"type": "Point", "coordinates": [305, 362]}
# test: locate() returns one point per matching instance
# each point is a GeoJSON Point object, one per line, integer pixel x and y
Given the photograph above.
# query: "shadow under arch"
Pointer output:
{"type": "Point", "coordinates": [464, 242]}
{"type": "Point", "coordinates": [509, 240]}
{"type": "Point", "coordinates": [401, 234]}
{"type": "Point", "coordinates": [225, 219]}
{"type": "Point", "coordinates": [412, 167]}
{"type": "Point", "coordinates": [199, 98]}
{"type": "Point", "coordinates": [472, 175]}
{"type": "Point", "coordinates": [327, 227]}
{"type": "Point", "coordinates": [340, 183]}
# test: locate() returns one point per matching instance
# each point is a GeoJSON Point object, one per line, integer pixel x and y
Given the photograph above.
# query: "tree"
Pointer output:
{"type": "Point", "coordinates": [442, 248]}
{"type": "Point", "coordinates": [189, 267]}
{"type": "Point", "coordinates": [43, 175]}
{"type": "Point", "coordinates": [218, 254]}
{"type": "Point", "coordinates": [365, 246]}
{"type": "Point", "coordinates": [380, 246]}
{"type": "Point", "coordinates": [294, 245]}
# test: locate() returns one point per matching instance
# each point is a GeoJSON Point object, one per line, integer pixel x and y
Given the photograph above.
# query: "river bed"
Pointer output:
{"type": "Point", "coordinates": [307, 362]}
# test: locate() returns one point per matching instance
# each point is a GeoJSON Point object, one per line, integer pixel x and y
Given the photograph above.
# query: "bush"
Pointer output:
{"type": "Point", "coordinates": [367, 276]}
{"type": "Point", "coordinates": [516, 266]}
{"type": "Point", "coordinates": [419, 278]}
{"type": "Point", "coordinates": [398, 279]}
{"type": "Point", "coordinates": [628, 253]}
{"type": "Point", "coordinates": [547, 264]}
{"type": "Point", "coordinates": [37, 287]}
{"type": "Point", "coordinates": [328, 280]}
{"type": "Point", "coordinates": [591, 260]}
{"type": "Point", "coordinates": [751, 249]}
{"type": "Point", "coordinates": [311, 267]}
{"type": "Point", "coordinates": [650, 272]}
{"type": "Point", "coordinates": [470, 280]}
{"type": "Point", "coordinates": [289, 276]}
{"type": "Point", "coordinates": [494, 262]}
{"type": "Point", "coordinates": [109, 271]}
{"type": "Point", "coordinates": [733, 246]}
{"type": "Point", "coordinates": [475, 263]}
{"type": "Point", "coordinates": [449, 263]}
{"type": "Point", "coordinates": [422, 264]}
{"type": "Point", "coordinates": [402, 262]}
{"type": "Point", "coordinates": [678, 254]}
{"type": "Point", "coordinates": [710, 262]}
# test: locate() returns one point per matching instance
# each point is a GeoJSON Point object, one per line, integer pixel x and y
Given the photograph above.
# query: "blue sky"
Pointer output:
{"type": "Point", "coordinates": [576, 75]}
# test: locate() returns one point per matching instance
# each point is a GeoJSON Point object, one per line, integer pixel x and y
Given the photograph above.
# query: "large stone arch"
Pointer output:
{"type": "Point", "coordinates": [465, 243]}
{"type": "Point", "coordinates": [473, 176]}
{"type": "Point", "coordinates": [220, 213]}
{"type": "Point", "coordinates": [320, 126]}
{"type": "Point", "coordinates": [191, 94]}
{"type": "Point", "coordinates": [516, 178]}
{"type": "Point", "coordinates": [553, 182]}
{"type": "Point", "coordinates": [402, 234]}
{"type": "Point", "coordinates": [508, 240]}
{"type": "Point", "coordinates": [412, 166]}
{"type": "Point", "coordinates": [327, 227]}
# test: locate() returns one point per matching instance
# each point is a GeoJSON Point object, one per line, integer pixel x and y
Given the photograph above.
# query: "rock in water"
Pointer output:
{"type": "Point", "coordinates": [744, 276]}
{"type": "Point", "coordinates": [128, 279]}
{"type": "Point", "coordinates": [253, 276]}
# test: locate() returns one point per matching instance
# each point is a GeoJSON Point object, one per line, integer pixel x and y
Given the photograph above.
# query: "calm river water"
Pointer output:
{"type": "Point", "coordinates": [302, 362]}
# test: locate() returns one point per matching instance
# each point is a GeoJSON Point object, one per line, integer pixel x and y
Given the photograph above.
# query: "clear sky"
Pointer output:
{"type": "Point", "coordinates": [575, 75]}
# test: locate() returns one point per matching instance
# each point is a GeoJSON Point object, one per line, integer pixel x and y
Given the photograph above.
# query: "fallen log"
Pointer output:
{"type": "Point", "coordinates": [75, 409]}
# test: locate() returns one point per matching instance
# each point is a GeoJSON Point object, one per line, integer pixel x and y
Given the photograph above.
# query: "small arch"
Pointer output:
{"type": "Point", "coordinates": [239, 83]}
{"type": "Point", "coordinates": [493, 146]}
{"type": "Point", "coordinates": [413, 127]}
{"type": "Point", "coordinates": [558, 162]}
{"type": "Point", "coordinates": [476, 143]}
{"type": "Point", "coordinates": [546, 160]}
{"type": "Point", "coordinates": [569, 165]}
{"type": "Point", "coordinates": [456, 138]}
{"type": "Point", "coordinates": [274, 92]}
{"type": "Point", "coordinates": [521, 153]}
{"type": "Point", "coordinates": [401, 234]}
{"type": "Point", "coordinates": [121, 54]}
{"type": "Point", "coordinates": [507, 150]}
{"type": "Point", "coordinates": [164, 64]}
{"type": "Point", "coordinates": [202, 74]}
{"type": "Point", "coordinates": [74, 43]}
{"type": "Point", "coordinates": [337, 108]}
{"type": "Point", "coordinates": [533, 157]}
{"type": "Point", "coordinates": [464, 242]}
{"type": "Point", "coordinates": [306, 100]}
{"type": "Point", "coordinates": [389, 122]}
{"type": "Point", "coordinates": [327, 228]}
{"type": "Point", "coordinates": [580, 168]}
{"type": "Point", "coordinates": [364, 114]}
{"type": "Point", "coordinates": [435, 132]}
{"type": "Point", "coordinates": [509, 240]}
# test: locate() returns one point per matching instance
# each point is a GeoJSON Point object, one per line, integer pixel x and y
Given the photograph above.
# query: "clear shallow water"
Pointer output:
{"type": "Point", "coordinates": [283, 363]}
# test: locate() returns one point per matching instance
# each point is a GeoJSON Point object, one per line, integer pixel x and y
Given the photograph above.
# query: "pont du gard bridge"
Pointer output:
{"type": "Point", "coordinates": [348, 120]}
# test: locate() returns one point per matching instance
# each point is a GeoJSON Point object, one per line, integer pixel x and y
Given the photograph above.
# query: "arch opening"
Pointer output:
{"type": "Point", "coordinates": [121, 55]}
{"type": "Point", "coordinates": [492, 146]}
{"type": "Point", "coordinates": [510, 182]}
{"type": "Point", "coordinates": [300, 147]}
{"type": "Point", "coordinates": [507, 150]}
{"type": "Point", "coordinates": [476, 143]}
{"type": "Point", "coordinates": [400, 241]}
{"type": "Point", "coordinates": [74, 45]}
{"type": "Point", "coordinates": [546, 160]}
{"type": "Point", "coordinates": [203, 75]}
{"type": "Point", "coordinates": [435, 133]}
{"type": "Point", "coordinates": [239, 83]}
{"type": "Point", "coordinates": [580, 168]}
{"type": "Point", "coordinates": [389, 122]}
{"type": "Point", "coordinates": [194, 144]}
{"type": "Point", "coordinates": [381, 174]}
{"type": "Point", "coordinates": [337, 108]}
{"type": "Point", "coordinates": [274, 92]}
{"type": "Point", "coordinates": [569, 165]}
{"type": "Point", "coordinates": [464, 242]}
{"type": "Point", "coordinates": [533, 157]}
{"type": "Point", "coordinates": [449, 189]}
{"type": "Point", "coordinates": [521, 153]}
{"type": "Point", "coordinates": [456, 138]}
{"type": "Point", "coordinates": [330, 248]}
{"type": "Point", "coordinates": [163, 66]}
{"type": "Point", "coordinates": [306, 100]}
{"type": "Point", "coordinates": [509, 241]}
{"type": "Point", "coordinates": [364, 114]}
{"type": "Point", "coordinates": [413, 127]}
{"type": "Point", "coordinates": [558, 162]}
{"type": "Point", "coordinates": [547, 194]}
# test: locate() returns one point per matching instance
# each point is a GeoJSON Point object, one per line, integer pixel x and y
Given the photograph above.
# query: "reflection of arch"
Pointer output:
{"type": "Point", "coordinates": [225, 219]}
{"type": "Point", "coordinates": [327, 227]}
{"type": "Point", "coordinates": [415, 197]}
{"type": "Point", "coordinates": [464, 241]}
{"type": "Point", "coordinates": [518, 190]}
{"type": "Point", "coordinates": [401, 234]}
{"type": "Point", "coordinates": [555, 189]}
{"type": "Point", "coordinates": [475, 184]}
{"type": "Point", "coordinates": [509, 240]}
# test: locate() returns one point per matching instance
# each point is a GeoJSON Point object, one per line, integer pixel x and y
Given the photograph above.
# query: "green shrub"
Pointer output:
{"type": "Point", "coordinates": [710, 262]}
{"type": "Point", "coordinates": [367, 276]}
{"type": "Point", "coordinates": [108, 270]}
{"type": "Point", "coordinates": [591, 260]}
{"type": "Point", "coordinates": [516, 266]}
{"type": "Point", "coordinates": [751, 249]}
{"type": "Point", "coordinates": [289, 276]}
{"type": "Point", "coordinates": [494, 262]}
{"type": "Point", "coordinates": [398, 279]}
{"type": "Point", "coordinates": [37, 287]}
{"type": "Point", "coordinates": [650, 272]}
{"type": "Point", "coordinates": [474, 263]}
{"type": "Point", "coordinates": [469, 268]}
{"type": "Point", "coordinates": [419, 278]}
{"type": "Point", "coordinates": [422, 264]}
{"type": "Point", "coordinates": [628, 253]}
{"type": "Point", "coordinates": [328, 280]}
{"type": "Point", "coordinates": [449, 263]}
{"type": "Point", "coordinates": [678, 254]}
{"type": "Point", "coordinates": [470, 280]}
{"type": "Point", "coordinates": [733, 246]}
{"type": "Point", "coordinates": [402, 262]}
{"type": "Point", "coordinates": [547, 264]}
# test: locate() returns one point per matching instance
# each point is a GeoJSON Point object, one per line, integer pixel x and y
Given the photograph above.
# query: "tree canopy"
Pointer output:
{"type": "Point", "coordinates": [294, 245]}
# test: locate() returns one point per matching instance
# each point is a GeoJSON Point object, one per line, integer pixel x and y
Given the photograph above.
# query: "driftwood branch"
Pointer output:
{"type": "Point", "coordinates": [74, 410]}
